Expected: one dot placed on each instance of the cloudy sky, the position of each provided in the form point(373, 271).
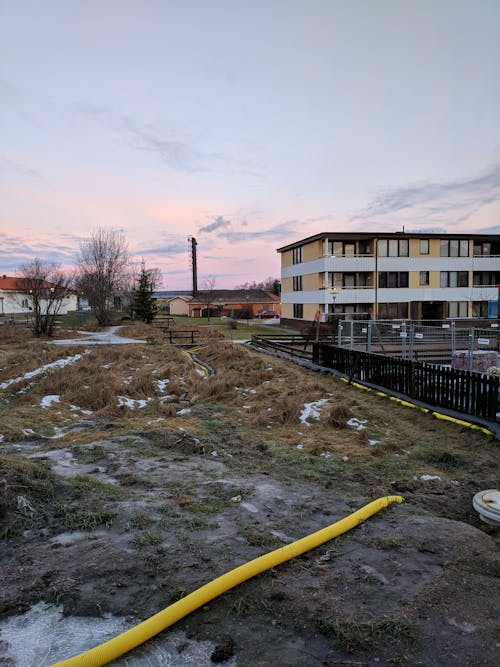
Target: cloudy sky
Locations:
point(248, 124)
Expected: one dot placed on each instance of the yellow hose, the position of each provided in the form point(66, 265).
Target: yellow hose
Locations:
point(114, 648)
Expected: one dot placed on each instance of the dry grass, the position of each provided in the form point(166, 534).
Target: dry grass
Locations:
point(263, 396)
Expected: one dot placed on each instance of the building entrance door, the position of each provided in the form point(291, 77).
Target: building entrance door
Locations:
point(433, 310)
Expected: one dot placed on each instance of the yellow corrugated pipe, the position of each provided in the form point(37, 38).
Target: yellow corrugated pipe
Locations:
point(114, 648)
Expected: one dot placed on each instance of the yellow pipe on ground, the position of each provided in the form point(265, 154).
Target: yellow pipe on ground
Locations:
point(114, 648)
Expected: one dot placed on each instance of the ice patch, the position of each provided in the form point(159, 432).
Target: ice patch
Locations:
point(47, 401)
point(312, 411)
point(43, 636)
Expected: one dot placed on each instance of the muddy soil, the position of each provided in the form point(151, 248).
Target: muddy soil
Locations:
point(127, 525)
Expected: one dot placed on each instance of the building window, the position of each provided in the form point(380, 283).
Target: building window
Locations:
point(393, 247)
point(359, 279)
point(457, 309)
point(486, 278)
point(297, 283)
point(480, 309)
point(393, 279)
point(482, 248)
point(424, 247)
point(454, 248)
point(24, 303)
point(349, 248)
point(454, 279)
point(297, 256)
point(424, 277)
point(298, 310)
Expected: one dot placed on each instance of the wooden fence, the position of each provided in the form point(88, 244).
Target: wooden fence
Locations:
point(467, 392)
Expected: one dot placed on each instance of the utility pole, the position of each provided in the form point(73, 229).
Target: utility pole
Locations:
point(194, 265)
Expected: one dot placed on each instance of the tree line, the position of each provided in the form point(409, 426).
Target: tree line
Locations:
point(104, 268)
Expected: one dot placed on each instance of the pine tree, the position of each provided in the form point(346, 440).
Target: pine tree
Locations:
point(143, 304)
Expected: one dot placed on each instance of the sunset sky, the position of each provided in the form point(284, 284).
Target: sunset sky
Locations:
point(248, 124)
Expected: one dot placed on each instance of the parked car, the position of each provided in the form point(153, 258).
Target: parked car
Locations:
point(266, 314)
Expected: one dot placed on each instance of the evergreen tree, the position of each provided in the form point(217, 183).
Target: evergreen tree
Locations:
point(143, 304)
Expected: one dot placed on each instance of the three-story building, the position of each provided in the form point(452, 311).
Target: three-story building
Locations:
point(390, 275)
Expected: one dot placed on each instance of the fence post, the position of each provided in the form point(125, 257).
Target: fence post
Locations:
point(412, 341)
point(453, 337)
point(403, 340)
point(339, 334)
point(352, 335)
point(369, 337)
point(471, 347)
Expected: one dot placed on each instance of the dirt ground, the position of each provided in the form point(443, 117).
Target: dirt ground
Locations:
point(125, 510)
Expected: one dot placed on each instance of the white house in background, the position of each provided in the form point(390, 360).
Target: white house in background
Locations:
point(14, 300)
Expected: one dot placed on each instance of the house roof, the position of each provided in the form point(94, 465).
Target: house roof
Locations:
point(239, 296)
point(9, 283)
point(16, 284)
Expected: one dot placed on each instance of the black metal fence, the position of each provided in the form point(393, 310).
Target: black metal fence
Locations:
point(467, 392)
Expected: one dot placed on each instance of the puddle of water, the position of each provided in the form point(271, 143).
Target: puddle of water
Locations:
point(43, 636)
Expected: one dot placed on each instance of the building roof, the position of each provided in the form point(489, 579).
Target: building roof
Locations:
point(170, 294)
point(16, 284)
point(341, 236)
point(239, 296)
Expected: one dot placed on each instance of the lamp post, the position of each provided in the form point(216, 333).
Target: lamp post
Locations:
point(334, 292)
point(247, 297)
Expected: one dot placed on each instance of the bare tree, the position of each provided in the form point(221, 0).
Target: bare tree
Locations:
point(102, 267)
point(270, 284)
point(207, 293)
point(45, 287)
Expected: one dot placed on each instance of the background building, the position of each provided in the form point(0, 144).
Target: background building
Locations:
point(391, 275)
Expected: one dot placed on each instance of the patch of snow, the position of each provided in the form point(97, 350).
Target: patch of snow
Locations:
point(47, 401)
point(344, 459)
point(300, 446)
point(246, 407)
point(28, 431)
point(66, 361)
point(214, 453)
point(253, 391)
point(132, 403)
point(184, 411)
point(373, 442)
point(76, 408)
point(326, 455)
point(358, 424)
point(200, 372)
point(269, 368)
point(311, 411)
point(162, 384)
point(2, 437)
point(428, 478)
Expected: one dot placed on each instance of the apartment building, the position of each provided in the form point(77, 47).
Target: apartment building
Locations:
point(390, 275)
